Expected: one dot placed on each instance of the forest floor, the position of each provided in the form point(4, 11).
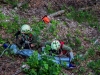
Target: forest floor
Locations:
point(9, 65)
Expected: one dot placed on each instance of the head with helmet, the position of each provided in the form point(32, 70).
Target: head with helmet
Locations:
point(26, 29)
point(55, 45)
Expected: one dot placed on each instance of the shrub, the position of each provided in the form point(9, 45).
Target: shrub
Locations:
point(95, 66)
point(45, 66)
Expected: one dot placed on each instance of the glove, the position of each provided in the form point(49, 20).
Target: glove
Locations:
point(5, 45)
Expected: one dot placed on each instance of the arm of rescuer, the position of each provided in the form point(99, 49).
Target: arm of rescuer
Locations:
point(17, 33)
point(69, 49)
point(35, 40)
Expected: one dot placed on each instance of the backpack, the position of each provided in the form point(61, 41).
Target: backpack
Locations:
point(63, 51)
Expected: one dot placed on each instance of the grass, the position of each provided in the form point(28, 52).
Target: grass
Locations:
point(12, 2)
point(49, 9)
point(83, 16)
point(95, 66)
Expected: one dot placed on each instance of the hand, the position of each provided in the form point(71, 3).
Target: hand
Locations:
point(32, 45)
point(0, 44)
point(61, 54)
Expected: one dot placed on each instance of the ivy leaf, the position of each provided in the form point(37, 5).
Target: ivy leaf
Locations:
point(46, 66)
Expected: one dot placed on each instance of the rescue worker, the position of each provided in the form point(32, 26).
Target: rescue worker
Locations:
point(59, 48)
point(25, 39)
point(25, 42)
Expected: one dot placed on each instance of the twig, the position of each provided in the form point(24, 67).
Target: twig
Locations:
point(86, 8)
point(96, 41)
point(56, 14)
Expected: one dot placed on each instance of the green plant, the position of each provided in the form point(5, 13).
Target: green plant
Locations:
point(80, 16)
point(3, 20)
point(72, 45)
point(55, 33)
point(37, 27)
point(81, 48)
point(95, 66)
point(78, 59)
point(83, 16)
point(91, 52)
point(49, 9)
point(78, 32)
point(70, 14)
point(53, 26)
point(69, 37)
point(45, 66)
point(87, 39)
point(82, 69)
point(1, 42)
point(7, 54)
point(12, 2)
point(46, 49)
point(25, 6)
point(77, 42)
point(95, 25)
point(11, 26)
point(98, 48)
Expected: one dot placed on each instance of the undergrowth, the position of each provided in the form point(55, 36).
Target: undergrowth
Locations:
point(95, 66)
point(83, 16)
point(41, 66)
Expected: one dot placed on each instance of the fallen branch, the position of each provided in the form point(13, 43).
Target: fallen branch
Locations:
point(57, 13)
